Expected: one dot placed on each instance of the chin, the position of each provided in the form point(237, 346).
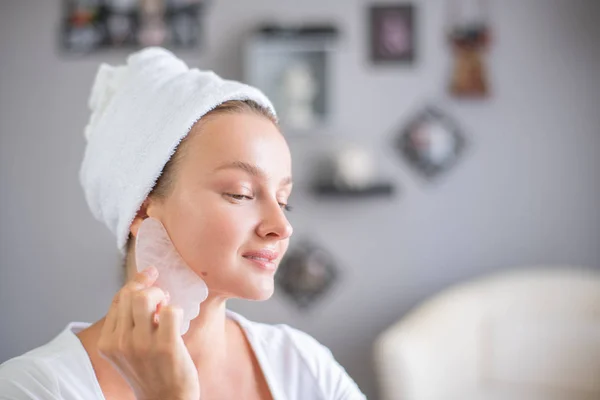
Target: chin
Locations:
point(259, 292)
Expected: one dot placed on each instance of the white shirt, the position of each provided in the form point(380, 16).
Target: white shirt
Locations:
point(295, 365)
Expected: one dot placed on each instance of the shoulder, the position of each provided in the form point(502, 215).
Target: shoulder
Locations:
point(300, 360)
point(284, 339)
point(282, 335)
point(60, 369)
point(28, 377)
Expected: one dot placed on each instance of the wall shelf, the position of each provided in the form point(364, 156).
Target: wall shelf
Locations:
point(382, 189)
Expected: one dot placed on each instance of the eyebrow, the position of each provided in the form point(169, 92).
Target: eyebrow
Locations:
point(252, 170)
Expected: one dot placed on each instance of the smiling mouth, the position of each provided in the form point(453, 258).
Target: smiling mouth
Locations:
point(262, 263)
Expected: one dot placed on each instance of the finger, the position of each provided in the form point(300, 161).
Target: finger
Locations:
point(171, 318)
point(140, 281)
point(163, 303)
point(144, 304)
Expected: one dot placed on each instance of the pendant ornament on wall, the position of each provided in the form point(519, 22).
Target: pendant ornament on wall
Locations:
point(432, 142)
point(306, 274)
point(470, 37)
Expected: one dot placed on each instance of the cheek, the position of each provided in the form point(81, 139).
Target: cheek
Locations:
point(209, 234)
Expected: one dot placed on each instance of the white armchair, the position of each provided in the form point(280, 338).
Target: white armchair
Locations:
point(529, 334)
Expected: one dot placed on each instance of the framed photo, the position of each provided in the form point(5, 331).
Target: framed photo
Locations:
point(392, 29)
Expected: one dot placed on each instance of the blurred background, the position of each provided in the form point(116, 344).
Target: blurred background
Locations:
point(443, 150)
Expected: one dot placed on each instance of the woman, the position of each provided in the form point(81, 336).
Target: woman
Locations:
point(205, 157)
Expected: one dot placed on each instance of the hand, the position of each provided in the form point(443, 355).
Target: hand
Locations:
point(141, 339)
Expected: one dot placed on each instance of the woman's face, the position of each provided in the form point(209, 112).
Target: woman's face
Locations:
point(226, 212)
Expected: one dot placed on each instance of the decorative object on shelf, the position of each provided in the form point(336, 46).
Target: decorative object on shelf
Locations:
point(470, 38)
point(353, 168)
point(91, 25)
point(431, 142)
point(350, 171)
point(392, 30)
point(291, 65)
point(306, 273)
point(299, 89)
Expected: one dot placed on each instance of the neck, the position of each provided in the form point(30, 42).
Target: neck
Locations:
point(206, 339)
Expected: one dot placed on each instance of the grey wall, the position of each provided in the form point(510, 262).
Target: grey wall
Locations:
point(527, 192)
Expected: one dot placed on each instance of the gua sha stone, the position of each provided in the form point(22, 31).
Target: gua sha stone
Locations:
point(153, 247)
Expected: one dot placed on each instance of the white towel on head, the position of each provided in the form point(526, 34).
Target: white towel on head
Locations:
point(140, 113)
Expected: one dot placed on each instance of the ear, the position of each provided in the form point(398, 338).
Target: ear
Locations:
point(147, 209)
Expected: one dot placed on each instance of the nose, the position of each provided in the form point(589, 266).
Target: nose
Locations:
point(274, 224)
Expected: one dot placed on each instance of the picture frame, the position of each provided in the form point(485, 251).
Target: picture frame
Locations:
point(392, 33)
point(292, 65)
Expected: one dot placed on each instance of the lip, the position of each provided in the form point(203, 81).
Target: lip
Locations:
point(264, 259)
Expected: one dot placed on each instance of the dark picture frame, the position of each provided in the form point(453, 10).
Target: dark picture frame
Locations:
point(90, 25)
point(392, 33)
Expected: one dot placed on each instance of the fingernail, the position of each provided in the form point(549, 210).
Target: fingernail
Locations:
point(150, 272)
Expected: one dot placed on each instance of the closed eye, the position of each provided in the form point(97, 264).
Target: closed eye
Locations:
point(239, 196)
